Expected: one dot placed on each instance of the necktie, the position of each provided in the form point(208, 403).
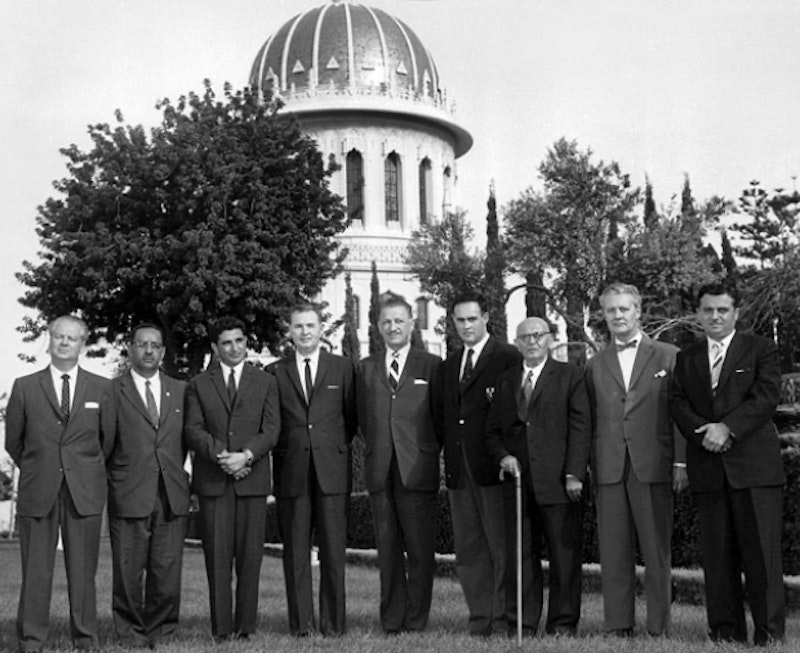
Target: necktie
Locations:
point(716, 363)
point(527, 388)
point(309, 382)
point(65, 402)
point(394, 371)
point(468, 365)
point(231, 388)
point(622, 346)
point(150, 400)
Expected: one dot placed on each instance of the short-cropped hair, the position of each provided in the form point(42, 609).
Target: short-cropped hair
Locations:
point(70, 318)
point(720, 288)
point(145, 325)
point(391, 300)
point(619, 288)
point(305, 307)
point(468, 297)
point(227, 323)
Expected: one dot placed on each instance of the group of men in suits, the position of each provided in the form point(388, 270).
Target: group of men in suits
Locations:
point(640, 417)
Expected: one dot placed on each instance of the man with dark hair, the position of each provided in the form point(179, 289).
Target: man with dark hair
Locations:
point(312, 471)
point(539, 428)
point(466, 391)
point(397, 417)
point(232, 422)
point(637, 462)
point(56, 433)
point(726, 389)
point(148, 493)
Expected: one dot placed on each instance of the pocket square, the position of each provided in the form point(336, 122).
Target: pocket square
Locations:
point(332, 387)
point(420, 382)
point(91, 405)
point(739, 371)
point(660, 374)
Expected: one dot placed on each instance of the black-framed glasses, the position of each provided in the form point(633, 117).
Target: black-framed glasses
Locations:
point(529, 337)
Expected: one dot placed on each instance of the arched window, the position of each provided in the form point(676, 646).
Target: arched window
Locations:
point(392, 187)
point(425, 191)
point(354, 171)
point(447, 194)
point(356, 311)
point(422, 313)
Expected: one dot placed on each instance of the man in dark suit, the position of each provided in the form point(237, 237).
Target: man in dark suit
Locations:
point(539, 427)
point(312, 471)
point(637, 461)
point(232, 422)
point(397, 417)
point(466, 389)
point(726, 389)
point(55, 434)
point(148, 494)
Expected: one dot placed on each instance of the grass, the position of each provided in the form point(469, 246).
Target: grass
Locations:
point(446, 631)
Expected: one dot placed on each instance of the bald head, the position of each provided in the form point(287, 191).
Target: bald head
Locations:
point(533, 340)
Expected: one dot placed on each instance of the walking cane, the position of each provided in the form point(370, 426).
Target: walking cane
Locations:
point(518, 494)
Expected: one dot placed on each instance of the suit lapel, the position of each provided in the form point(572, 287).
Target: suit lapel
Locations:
point(547, 370)
point(128, 389)
point(219, 383)
point(729, 364)
point(49, 390)
point(80, 393)
point(409, 369)
point(701, 366)
point(323, 365)
point(644, 353)
point(294, 377)
point(167, 399)
point(610, 360)
point(478, 366)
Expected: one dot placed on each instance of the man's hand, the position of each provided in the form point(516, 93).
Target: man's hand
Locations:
point(574, 488)
point(716, 437)
point(680, 479)
point(243, 473)
point(232, 463)
point(509, 466)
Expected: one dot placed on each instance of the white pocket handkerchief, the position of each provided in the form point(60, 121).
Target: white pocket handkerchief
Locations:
point(420, 382)
point(91, 405)
point(660, 374)
point(332, 387)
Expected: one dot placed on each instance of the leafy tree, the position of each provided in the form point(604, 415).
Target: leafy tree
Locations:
point(376, 344)
point(650, 211)
point(351, 347)
point(570, 228)
point(224, 208)
point(438, 257)
point(494, 272)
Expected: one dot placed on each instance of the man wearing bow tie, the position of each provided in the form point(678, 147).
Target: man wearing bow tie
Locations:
point(56, 423)
point(637, 461)
point(726, 389)
point(466, 390)
point(539, 428)
point(232, 423)
point(312, 468)
point(148, 494)
point(399, 420)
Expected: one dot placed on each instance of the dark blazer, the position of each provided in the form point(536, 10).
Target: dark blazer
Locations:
point(555, 436)
point(404, 421)
point(212, 425)
point(322, 431)
point(747, 395)
point(465, 407)
point(143, 455)
point(46, 450)
point(637, 419)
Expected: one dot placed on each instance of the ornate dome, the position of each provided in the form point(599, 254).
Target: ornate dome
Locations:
point(344, 55)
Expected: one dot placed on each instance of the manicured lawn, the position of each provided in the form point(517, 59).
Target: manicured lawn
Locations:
point(446, 631)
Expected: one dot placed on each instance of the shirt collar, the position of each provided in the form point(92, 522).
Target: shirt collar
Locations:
point(537, 370)
point(139, 379)
point(57, 373)
point(477, 348)
point(402, 354)
point(313, 358)
point(226, 370)
point(637, 338)
point(725, 342)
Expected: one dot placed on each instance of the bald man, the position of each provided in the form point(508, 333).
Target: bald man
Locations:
point(539, 427)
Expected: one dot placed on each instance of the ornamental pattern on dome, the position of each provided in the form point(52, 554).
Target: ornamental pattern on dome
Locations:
point(347, 48)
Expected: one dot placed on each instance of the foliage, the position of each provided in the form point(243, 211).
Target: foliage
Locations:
point(570, 228)
point(224, 208)
point(376, 344)
point(351, 347)
point(438, 257)
point(494, 272)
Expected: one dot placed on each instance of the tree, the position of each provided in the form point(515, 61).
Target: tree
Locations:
point(570, 228)
point(351, 347)
point(494, 272)
point(224, 208)
point(650, 211)
point(438, 257)
point(376, 344)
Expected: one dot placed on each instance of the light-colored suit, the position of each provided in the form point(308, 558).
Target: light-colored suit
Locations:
point(62, 484)
point(634, 446)
point(147, 506)
point(401, 465)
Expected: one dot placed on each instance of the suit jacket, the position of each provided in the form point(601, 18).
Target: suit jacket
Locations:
point(747, 395)
point(48, 451)
point(145, 454)
point(212, 425)
point(465, 407)
point(637, 419)
point(554, 437)
point(404, 421)
point(321, 431)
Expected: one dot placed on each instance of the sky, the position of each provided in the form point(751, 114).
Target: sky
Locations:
point(707, 89)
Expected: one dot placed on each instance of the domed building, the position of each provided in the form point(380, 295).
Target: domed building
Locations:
point(364, 86)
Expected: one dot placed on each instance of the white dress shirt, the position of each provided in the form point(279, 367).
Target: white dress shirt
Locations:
point(141, 387)
point(477, 348)
point(58, 381)
point(237, 373)
point(627, 357)
point(402, 355)
point(313, 363)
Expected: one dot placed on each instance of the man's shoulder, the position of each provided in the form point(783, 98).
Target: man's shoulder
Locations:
point(33, 377)
point(94, 379)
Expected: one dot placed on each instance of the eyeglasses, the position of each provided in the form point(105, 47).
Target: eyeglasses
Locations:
point(144, 344)
point(528, 337)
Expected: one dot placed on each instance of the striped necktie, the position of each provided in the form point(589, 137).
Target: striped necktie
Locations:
point(394, 371)
point(152, 408)
point(717, 358)
point(65, 400)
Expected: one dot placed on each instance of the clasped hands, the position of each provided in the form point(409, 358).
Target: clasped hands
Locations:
point(716, 437)
point(234, 463)
point(509, 465)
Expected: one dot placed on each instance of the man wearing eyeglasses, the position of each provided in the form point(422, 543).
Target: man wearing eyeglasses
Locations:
point(638, 459)
point(148, 494)
point(539, 427)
